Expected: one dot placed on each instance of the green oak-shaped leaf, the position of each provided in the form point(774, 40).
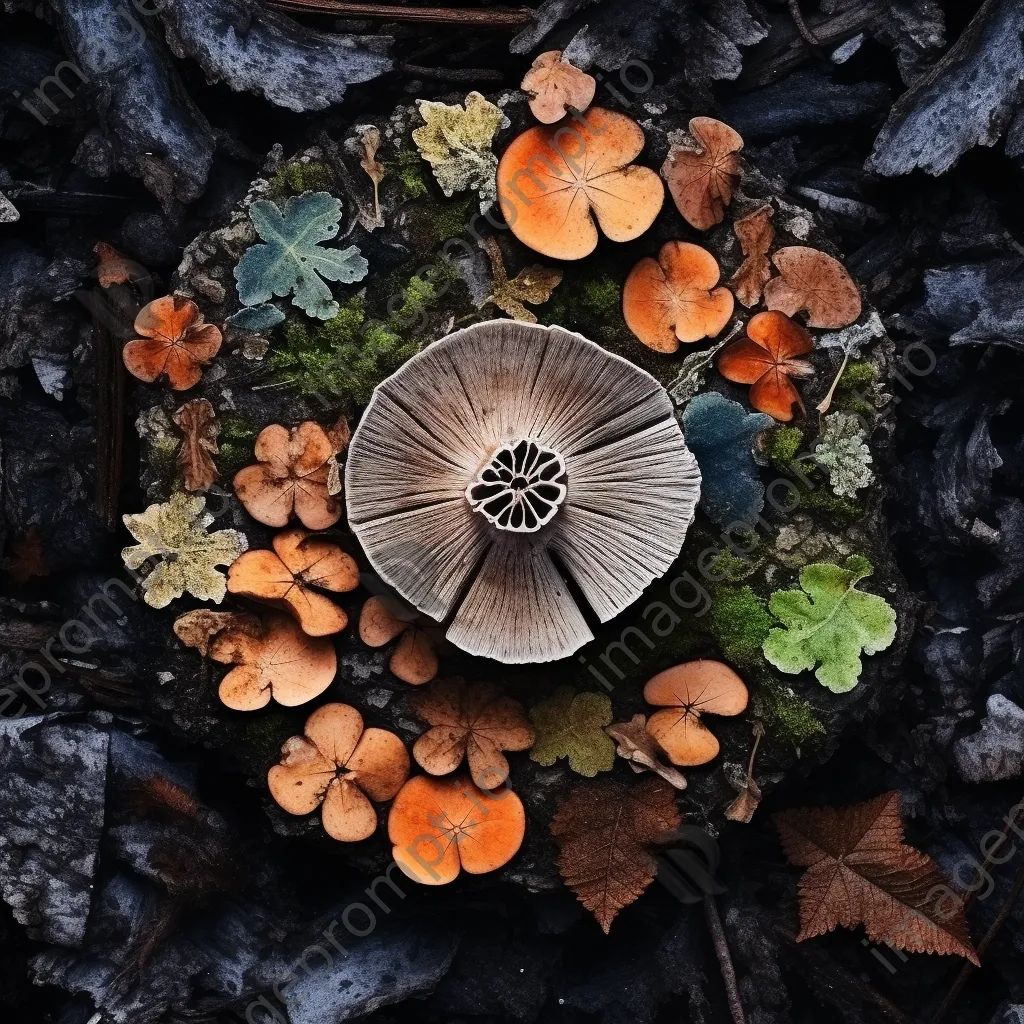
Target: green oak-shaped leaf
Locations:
point(293, 260)
point(572, 725)
point(174, 535)
point(829, 623)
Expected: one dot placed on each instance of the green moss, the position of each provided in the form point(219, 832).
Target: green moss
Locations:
point(786, 715)
point(785, 445)
point(858, 374)
point(410, 173)
point(295, 178)
point(727, 567)
point(436, 222)
point(842, 511)
point(163, 454)
point(236, 442)
point(739, 623)
point(591, 305)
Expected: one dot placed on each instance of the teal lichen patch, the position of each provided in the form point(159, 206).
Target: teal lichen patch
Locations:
point(828, 623)
point(739, 622)
point(297, 177)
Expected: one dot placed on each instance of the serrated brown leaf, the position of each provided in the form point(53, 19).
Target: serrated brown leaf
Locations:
point(703, 172)
point(198, 422)
point(860, 871)
point(475, 723)
point(533, 284)
point(755, 234)
point(636, 745)
point(813, 281)
point(604, 831)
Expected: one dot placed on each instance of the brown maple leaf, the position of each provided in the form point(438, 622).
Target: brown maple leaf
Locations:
point(755, 234)
point(860, 871)
point(111, 267)
point(605, 830)
point(533, 284)
point(198, 422)
point(475, 723)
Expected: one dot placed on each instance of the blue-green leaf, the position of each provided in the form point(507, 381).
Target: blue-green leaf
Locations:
point(256, 318)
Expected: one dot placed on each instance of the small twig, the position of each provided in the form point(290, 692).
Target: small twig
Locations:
point(725, 964)
point(491, 17)
point(801, 26)
point(454, 74)
point(965, 971)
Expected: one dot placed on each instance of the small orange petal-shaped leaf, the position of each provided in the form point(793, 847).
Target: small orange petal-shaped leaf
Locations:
point(174, 341)
point(675, 299)
point(298, 783)
point(554, 86)
point(348, 815)
point(379, 764)
point(703, 173)
point(414, 660)
point(377, 625)
point(813, 281)
point(335, 729)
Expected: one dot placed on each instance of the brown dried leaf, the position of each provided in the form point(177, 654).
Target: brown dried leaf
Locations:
point(554, 85)
point(860, 871)
point(198, 422)
point(604, 830)
point(198, 628)
point(111, 266)
point(475, 723)
point(369, 139)
point(743, 807)
point(533, 284)
point(755, 234)
point(814, 281)
point(637, 746)
point(702, 174)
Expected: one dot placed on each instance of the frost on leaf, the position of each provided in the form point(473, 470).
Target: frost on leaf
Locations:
point(860, 871)
point(720, 432)
point(572, 726)
point(604, 831)
point(291, 259)
point(456, 142)
point(533, 284)
point(844, 453)
point(829, 623)
point(174, 534)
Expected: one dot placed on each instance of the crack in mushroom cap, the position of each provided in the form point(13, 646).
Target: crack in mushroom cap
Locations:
point(631, 486)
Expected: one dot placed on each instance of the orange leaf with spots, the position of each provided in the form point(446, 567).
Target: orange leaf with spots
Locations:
point(555, 181)
point(703, 173)
point(766, 359)
point(675, 299)
point(604, 831)
point(813, 281)
point(175, 342)
point(860, 871)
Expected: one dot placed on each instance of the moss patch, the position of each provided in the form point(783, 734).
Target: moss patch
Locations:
point(729, 568)
point(295, 178)
point(236, 441)
point(410, 174)
point(785, 445)
point(786, 715)
point(839, 511)
point(739, 623)
point(858, 374)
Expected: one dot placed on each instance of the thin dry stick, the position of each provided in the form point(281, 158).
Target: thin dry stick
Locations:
point(492, 17)
point(732, 991)
point(801, 26)
point(453, 74)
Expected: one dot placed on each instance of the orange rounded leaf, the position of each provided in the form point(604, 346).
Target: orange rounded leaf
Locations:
point(174, 341)
point(813, 281)
point(702, 175)
point(554, 85)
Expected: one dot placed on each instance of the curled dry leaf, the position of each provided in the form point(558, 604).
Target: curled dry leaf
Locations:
point(198, 422)
point(749, 799)
point(414, 660)
point(572, 725)
point(174, 535)
point(441, 826)
point(636, 745)
point(688, 691)
point(675, 299)
point(286, 575)
point(111, 267)
point(533, 284)
point(551, 191)
point(815, 282)
point(766, 359)
point(703, 172)
point(290, 476)
point(472, 723)
point(605, 831)
point(280, 662)
point(175, 341)
point(755, 234)
point(340, 766)
point(554, 86)
point(198, 628)
point(860, 871)
point(369, 141)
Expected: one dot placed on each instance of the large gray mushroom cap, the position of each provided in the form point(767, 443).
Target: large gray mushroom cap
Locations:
point(501, 448)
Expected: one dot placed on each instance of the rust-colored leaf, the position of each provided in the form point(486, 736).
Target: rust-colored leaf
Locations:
point(637, 746)
point(755, 234)
point(766, 359)
point(475, 723)
point(676, 298)
point(198, 628)
point(604, 831)
point(554, 86)
point(533, 284)
point(198, 422)
point(111, 266)
point(860, 871)
point(813, 281)
point(703, 172)
point(175, 341)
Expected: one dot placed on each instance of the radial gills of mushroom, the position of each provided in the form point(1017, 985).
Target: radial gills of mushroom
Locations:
point(500, 454)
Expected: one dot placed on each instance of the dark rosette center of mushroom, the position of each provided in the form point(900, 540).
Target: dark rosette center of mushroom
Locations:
point(520, 487)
